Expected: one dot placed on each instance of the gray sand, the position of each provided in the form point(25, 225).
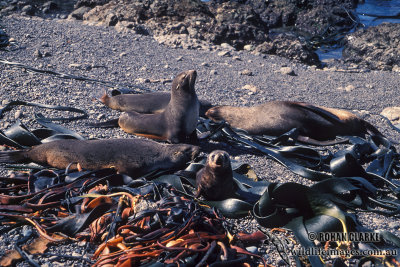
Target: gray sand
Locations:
point(102, 53)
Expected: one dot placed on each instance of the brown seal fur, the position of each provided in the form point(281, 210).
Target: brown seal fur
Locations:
point(147, 103)
point(277, 117)
point(177, 123)
point(134, 157)
point(215, 180)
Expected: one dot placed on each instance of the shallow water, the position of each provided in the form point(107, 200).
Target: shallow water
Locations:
point(378, 8)
point(368, 12)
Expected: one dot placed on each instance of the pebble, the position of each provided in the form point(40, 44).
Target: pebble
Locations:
point(142, 80)
point(47, 54)
point(101, 116)
point(224, 54)
point(213, 72)
point(38, 54)
point(248, 47)
point(179, 58)
point(122, 54)
point(246, 72)
point(395, 68)
point(237, 58)
point(11, 40)
point(392, 113)
point(205, 64)
point(287, 71)
point(18, 114)
point(250, 87)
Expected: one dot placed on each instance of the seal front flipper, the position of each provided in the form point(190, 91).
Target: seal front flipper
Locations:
point(107, 124)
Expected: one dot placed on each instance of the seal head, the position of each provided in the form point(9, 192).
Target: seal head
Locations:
point(177, 123)
point(215, 180)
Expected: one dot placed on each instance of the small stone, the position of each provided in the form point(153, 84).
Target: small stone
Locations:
point(213, 72)
point(396, 68)
point(392, 113)
point(224, 54)
point(11, 40)
point(250, 87)
point(47, 54)
point(38, 54)
point(75, 65)
point(142, 80)
point(28, 10)
point(18, 114)
point(179, 58)
point(246, 72)
point(166, 66)
point(101, 116)
point(82, 243)
point(287, 71)
point(205, 64)
point(122, 54)
point(237, 58)
point(248, 47)
point(349, 88)
point(227, 46)
point(74, 254)
point(5, 102)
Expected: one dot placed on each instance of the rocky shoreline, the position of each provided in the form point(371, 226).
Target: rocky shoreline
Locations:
point(225, 76)
point(291, 29)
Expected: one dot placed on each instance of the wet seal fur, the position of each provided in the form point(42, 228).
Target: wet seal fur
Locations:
point(215, 180)
point(315, 123)
point(147, 103)
point(134, 157)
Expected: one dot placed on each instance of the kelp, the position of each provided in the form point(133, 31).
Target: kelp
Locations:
point(156, 220)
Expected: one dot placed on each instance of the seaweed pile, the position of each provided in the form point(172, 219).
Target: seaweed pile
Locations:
point(157, 220)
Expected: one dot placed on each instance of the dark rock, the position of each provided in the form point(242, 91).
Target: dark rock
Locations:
point(375, 47)
point(78, 13)
point(4, 39)
point(90, 3)
point(289, 46)
point(306, 16)
point(50, 5)
point(28, 10)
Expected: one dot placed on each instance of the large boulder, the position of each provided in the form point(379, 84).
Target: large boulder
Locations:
point(376, 47)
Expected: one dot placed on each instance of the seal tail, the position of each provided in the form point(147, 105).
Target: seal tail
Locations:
point(18, 156)
point(107, 124)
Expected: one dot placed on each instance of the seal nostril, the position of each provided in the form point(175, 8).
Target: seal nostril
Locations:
point(219, 161)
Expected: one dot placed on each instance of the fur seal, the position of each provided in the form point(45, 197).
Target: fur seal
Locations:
point(147, 103)
point(134, 157)
point(215, 180)
point(277, 117)
point(177, 123)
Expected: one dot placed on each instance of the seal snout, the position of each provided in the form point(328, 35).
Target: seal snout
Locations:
point(218, 159)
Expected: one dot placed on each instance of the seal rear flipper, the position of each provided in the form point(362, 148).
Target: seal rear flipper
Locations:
point(107, 124)
point(371, 129)
point(152, 136)
point(18, 156)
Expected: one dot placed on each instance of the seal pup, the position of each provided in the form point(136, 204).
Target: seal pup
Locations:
point(215, 180)
point(177, 123)
point(134, 157)
point(147, 103)
point(315, 123)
